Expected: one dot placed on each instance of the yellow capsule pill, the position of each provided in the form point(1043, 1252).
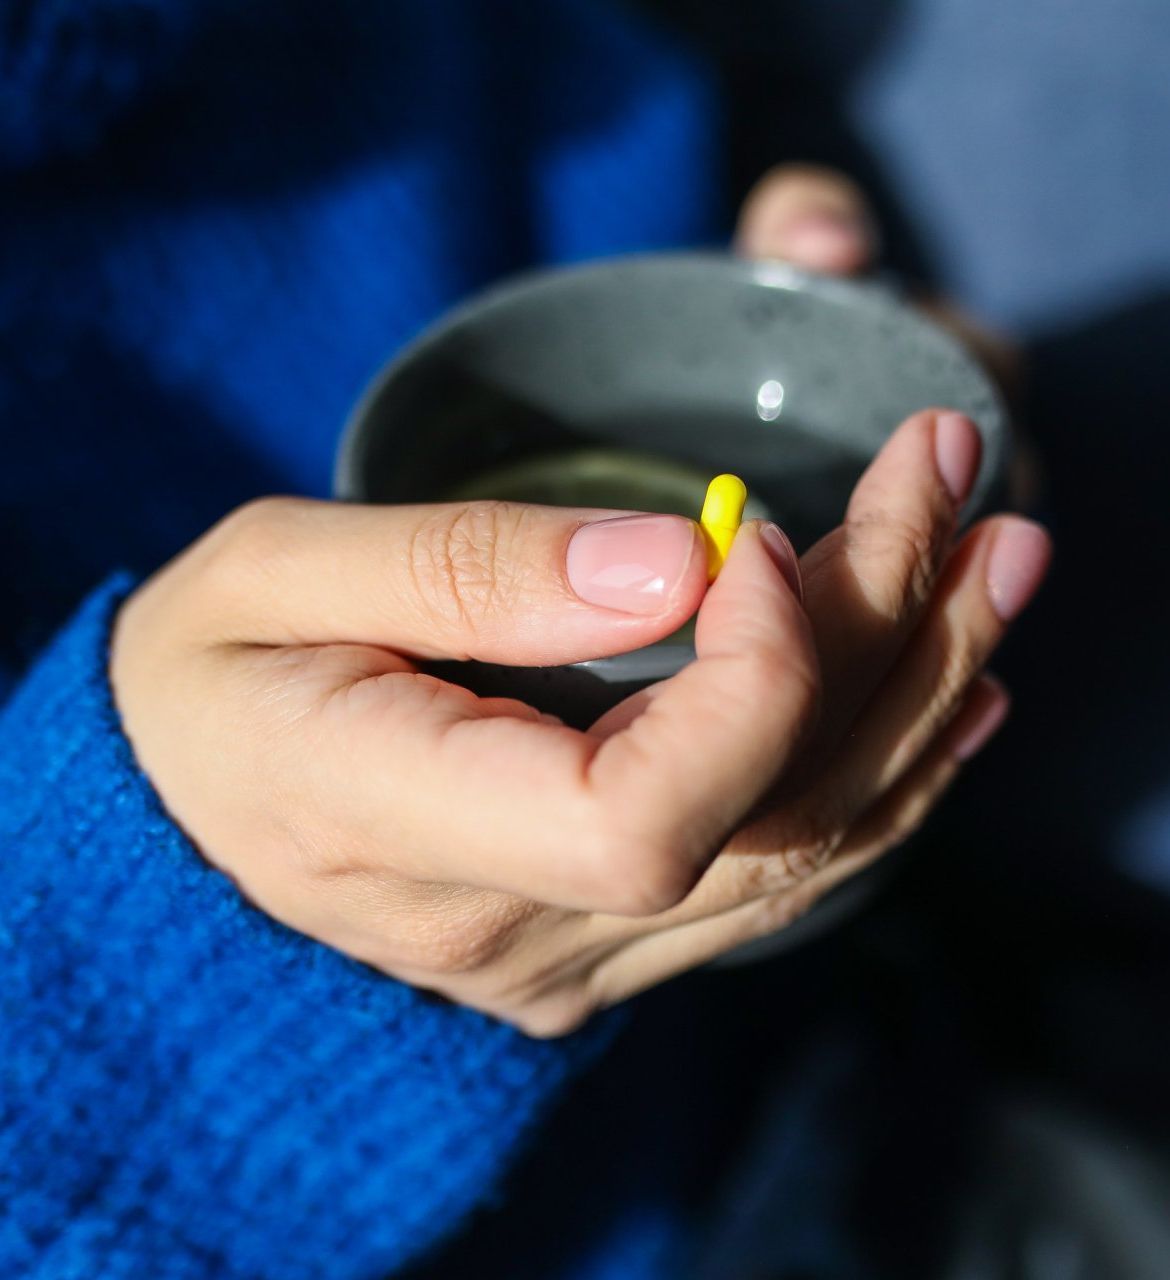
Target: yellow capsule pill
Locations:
point(721, 518)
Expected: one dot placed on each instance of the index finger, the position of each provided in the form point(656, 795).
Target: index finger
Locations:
point(627, 824)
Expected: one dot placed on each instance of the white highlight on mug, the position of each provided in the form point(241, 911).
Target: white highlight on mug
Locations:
point(770, 400)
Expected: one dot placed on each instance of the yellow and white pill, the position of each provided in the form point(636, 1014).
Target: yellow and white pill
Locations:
point(720, 520)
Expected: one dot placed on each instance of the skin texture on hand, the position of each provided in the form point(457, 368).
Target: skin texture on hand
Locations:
point(268, 681)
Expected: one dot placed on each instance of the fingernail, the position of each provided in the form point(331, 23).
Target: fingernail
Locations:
point(632, 563)
point(957, 446)
point(983, 715)
point(783, 556)
point(1016, 566)
point(825, 240)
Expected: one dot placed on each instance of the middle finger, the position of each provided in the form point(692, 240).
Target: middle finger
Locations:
point(868, 582)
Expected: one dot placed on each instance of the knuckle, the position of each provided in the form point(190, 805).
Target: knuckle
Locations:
point(756, 875)
point(804, 860)
point(787, 848)
point(952, 661)
point(639, 877)
point(452, 952)
point(248, 542)
point(809, 844)
point(465, 942)
point(554, 1016)
point(460, 563)
point(259, 524)
point(955, 675)
point(896, 562)
point(778, 912)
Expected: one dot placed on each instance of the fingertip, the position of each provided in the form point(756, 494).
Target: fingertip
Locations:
point(1017, 564)
point(824, 241)
point(958, 450)
point(759, 591)
point(762, 547)
point(783, 554)
point(987, 706)
point(813, 217)
point(937, 442)
point(992, 686)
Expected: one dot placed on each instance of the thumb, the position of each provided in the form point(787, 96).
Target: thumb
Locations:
point(495, 581)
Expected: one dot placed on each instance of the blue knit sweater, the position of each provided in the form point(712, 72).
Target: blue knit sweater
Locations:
point(217, 221)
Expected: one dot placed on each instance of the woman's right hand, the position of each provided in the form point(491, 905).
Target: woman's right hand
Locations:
point(268, 682)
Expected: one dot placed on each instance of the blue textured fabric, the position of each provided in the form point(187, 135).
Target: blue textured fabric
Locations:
point(191, 1089)
point(218, 220)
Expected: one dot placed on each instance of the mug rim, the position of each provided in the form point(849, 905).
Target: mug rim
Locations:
point(877, 294)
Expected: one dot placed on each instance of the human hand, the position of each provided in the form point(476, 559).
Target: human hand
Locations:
point(268, 682)
point(819, 219)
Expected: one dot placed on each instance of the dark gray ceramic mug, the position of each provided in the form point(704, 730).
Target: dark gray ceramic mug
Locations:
point(628, 384)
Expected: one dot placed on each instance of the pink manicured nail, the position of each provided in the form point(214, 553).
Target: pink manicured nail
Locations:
point(957, 447)
point(983, 715)
point(783, 556)
point(1016, 566)
point(824, 241)
point(633, 563)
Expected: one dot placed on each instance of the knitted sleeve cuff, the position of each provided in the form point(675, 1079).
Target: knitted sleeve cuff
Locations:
point(189, 1088)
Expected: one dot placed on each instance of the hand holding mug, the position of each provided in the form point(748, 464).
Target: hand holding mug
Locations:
point(268, 681)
